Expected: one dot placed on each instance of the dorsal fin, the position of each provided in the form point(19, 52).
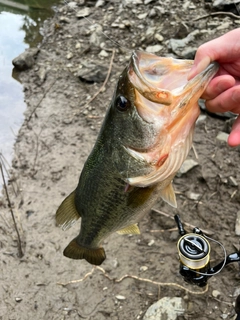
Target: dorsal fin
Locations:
point(67, 213)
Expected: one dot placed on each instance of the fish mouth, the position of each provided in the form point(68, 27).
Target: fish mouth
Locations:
point(165, 98)
point(163, 81)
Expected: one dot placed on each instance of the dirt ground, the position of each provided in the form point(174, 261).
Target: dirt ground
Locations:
point(58, 133)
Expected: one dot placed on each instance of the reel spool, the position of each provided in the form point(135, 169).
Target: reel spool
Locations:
point(194, 251)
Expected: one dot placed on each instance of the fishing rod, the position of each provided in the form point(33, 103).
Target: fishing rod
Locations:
point(194, 256)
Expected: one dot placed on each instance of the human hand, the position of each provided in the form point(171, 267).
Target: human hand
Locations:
point(223, 91)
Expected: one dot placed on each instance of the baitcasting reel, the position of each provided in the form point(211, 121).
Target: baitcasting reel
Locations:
point(194, 255)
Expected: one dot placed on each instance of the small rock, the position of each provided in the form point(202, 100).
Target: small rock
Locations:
point(93, 73)
point(165, 308)
point(143, 268)
point(151, 242)
point(142, 15)
point(97, 36)
point(224, 26)
point(64, 19)
point(72, 5)
point(216, 293)
point(83, 13)
point(158, 37)
point(103, 54)
point(222, 136)
point(187, 165)
point(18, 299)
point(100, 3)
point(193, 196)
point(236, 292)
point(69, 55)
point(202, 118)
point(237, 224)
point(188, 53)
point(78, 45)
point(154, 49)
point(176, 44)
point(150, 32)
point(119, 297)
point(148, 1)
point(232, 182)
point(221, 3)
point(26, 59)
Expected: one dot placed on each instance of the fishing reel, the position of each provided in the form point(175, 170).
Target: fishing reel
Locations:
point(194, 256)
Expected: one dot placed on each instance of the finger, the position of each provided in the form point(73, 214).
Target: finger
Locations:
point(217, 86)
point(234, 137)
point(228, 100)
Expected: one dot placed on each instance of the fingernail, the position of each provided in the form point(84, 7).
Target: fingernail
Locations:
point(236, 96)
point(202, 65)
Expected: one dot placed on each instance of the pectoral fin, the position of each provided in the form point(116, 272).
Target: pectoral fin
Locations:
point(133, 229)
point(168, 195)
point(67, 214)
point(94, 256)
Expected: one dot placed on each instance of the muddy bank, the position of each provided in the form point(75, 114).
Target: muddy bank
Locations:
point(58, 133)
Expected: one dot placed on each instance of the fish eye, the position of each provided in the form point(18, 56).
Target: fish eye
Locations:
point(122, 103)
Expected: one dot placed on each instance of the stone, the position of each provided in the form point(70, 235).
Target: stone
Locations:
point(165, 308)
point(187, 165)
point(64, 19)
point(154, 49)
point(83, 13)
point(237, 224)
point(143, 268)
point(158, 37)
point(193, 196)
point(232, 181)
point(103, 54)
point(216, 293)
point(151, 242)
point(120, 297)
point(142, 16)
point(177, 44)
point(26, 59)
point(92, 73)
point(221, 3)
point(100, 3)
point(222, 136)
point(69, 55)
point(201, 119)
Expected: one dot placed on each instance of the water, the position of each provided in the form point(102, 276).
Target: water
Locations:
point(20, 24)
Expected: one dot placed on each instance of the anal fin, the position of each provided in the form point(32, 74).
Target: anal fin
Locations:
point(168, 195)
point(95, 256)
point(67, 213)
point(133, 229)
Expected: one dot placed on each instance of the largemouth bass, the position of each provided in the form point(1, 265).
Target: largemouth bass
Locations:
point(145, 137)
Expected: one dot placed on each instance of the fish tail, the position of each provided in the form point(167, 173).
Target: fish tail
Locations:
point(76, 251)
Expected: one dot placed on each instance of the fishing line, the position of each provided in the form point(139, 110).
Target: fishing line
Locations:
point(224, 261)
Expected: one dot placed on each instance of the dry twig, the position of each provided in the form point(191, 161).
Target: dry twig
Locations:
point(44, 95)
point(207, 232)
point(166, 284)
point(106, 80)
point(20, 252)
point(230, 14)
